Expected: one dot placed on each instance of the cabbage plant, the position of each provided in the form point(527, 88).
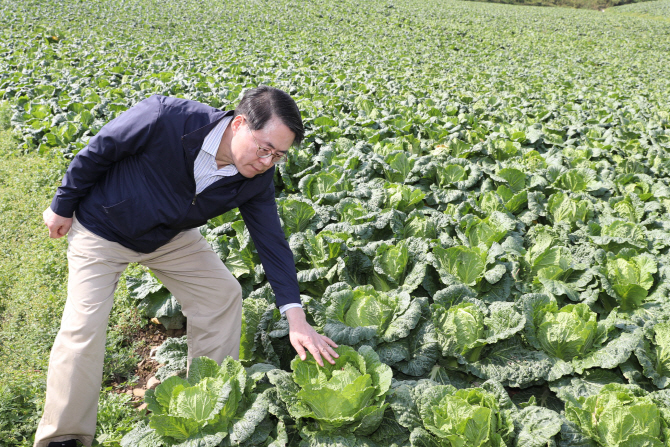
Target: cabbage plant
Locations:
point(347, 396)
point(215, 403)
point(328, 186)
point(365, 315)
point(567, 333)
point(550, 268)
point(322, 260)
point(463, 329)
point(620, 416)
point(466, 264)
point(403, 198)
point(484, 232)
point(563, 208)
point(444, 416)
point(630, 276)
point(400, 266)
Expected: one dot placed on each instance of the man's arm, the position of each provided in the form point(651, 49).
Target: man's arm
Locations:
point(122, 137)
point(261, 218)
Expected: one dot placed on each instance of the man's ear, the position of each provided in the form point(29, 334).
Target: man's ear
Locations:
point(237, 122)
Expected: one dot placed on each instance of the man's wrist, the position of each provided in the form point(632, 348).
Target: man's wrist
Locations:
point(295, 315)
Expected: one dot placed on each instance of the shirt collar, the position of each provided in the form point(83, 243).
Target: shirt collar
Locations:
point(213, 138)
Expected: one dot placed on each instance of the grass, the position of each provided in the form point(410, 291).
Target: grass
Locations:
point(33, 289)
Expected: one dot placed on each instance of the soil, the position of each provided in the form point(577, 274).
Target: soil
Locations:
point(146, 339)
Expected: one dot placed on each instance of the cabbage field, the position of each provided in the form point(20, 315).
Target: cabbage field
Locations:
point(479, 213)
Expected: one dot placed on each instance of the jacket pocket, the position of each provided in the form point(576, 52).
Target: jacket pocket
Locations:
point(128, 219)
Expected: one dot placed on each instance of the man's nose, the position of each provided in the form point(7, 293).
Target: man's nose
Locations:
point(267, 161)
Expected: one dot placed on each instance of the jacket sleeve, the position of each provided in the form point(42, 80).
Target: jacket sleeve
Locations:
point(124, 136)
point(261, 218)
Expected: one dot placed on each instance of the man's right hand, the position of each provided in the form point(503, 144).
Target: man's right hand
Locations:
point(58, 225)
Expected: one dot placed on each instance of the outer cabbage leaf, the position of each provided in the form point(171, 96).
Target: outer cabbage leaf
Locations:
point(415, 355)
point(155, 300)
point(513, 364)
point(296, 215)
point(537, 427)
point(173, 357)
point(654, 354)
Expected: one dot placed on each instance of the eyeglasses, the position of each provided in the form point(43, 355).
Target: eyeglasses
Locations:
point(263, 152)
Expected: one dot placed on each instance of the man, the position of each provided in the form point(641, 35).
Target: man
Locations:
point(137, 193)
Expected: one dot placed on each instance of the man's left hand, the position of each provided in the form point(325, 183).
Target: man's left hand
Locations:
point(302, 336)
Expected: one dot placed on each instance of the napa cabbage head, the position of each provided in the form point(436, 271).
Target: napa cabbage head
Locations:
point(458, 329)
point(631, 277)
point(567, 333)
point(468, 417)
point(347, 395)
point(619, 416)
point(485, 232)
point(399, 266)
point(462, 330)
point(467, 264)
point(563, 208)
point(204, 404)
point(365, 315)
point(403, 198)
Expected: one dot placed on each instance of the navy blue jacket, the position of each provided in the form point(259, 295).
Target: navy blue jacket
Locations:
point(133, 184)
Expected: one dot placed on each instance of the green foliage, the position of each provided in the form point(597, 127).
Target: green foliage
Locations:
point(155, 300)
point(116, 417)
point(566, 209)
point(120, 358)
point(442, 415)
point(21, 404)
point(568, 333)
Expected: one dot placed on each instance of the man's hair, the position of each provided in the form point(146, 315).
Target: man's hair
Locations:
point(260, 104)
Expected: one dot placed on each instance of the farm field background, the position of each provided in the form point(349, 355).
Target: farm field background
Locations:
point(482, 196)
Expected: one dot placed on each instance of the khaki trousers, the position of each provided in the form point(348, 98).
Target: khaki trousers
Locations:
point(211, 299)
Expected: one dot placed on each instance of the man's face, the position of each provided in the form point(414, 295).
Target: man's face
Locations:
point(274, 136)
